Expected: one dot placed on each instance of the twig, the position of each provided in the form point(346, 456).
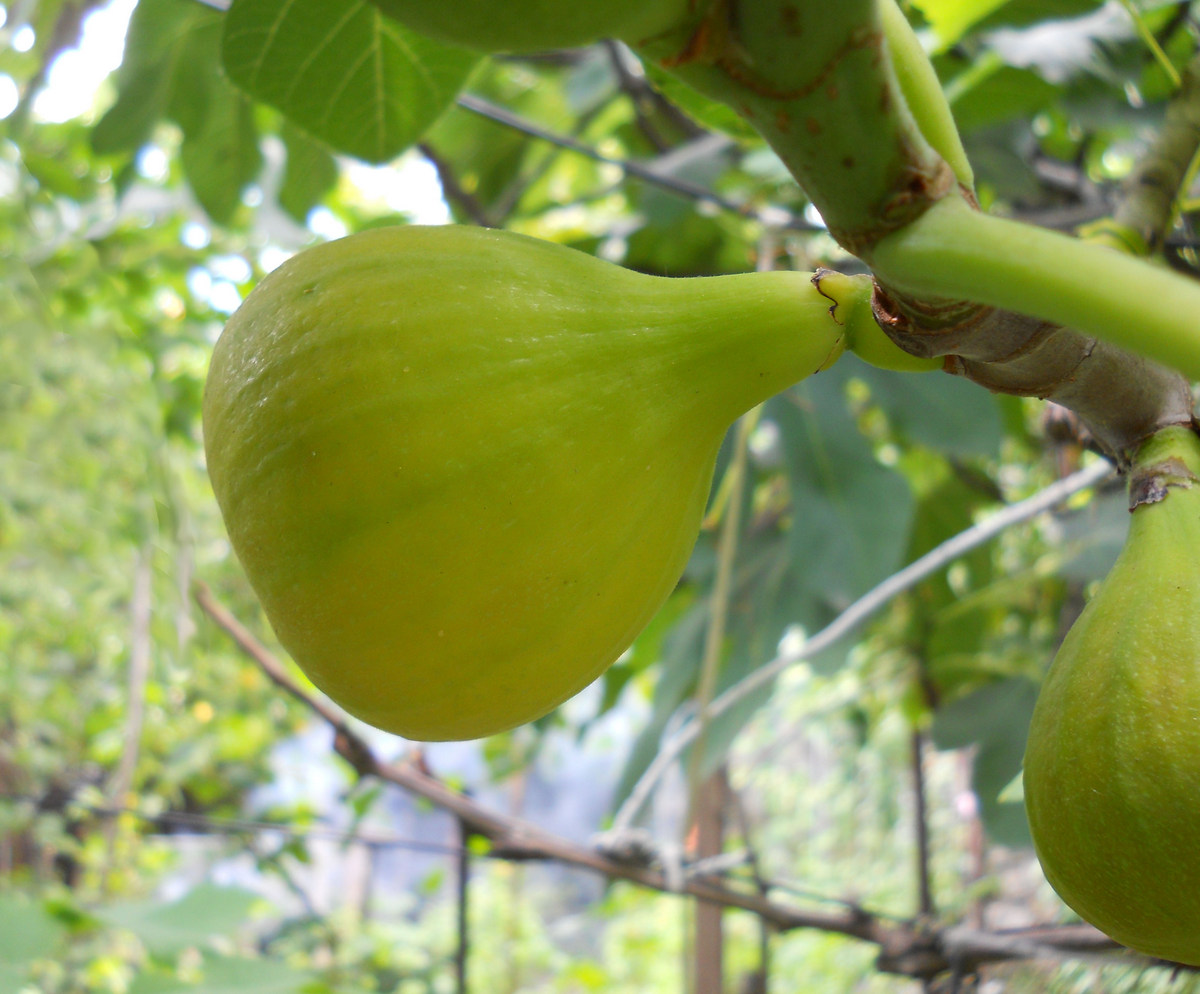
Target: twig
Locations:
point(454, 190)
point(531, 172)
point(513, 838)
point(718, 610)
point(633, 85)
point(924, 885)
point(646, 97)
point(775, 216)
point(273, 860)
point(858, 612)
point(464, 893)
point(140, 656)
point(212, 825)
point(1152, 189)
point(1151, 42)
point(760, 882)
point(906, 949)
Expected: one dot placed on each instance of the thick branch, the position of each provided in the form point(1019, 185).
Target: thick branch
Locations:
point(816, 81)
point(1122, 397)
point(1036, 288)
point(848, 100)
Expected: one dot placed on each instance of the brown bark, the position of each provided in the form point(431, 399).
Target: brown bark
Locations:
point(1121, 397)
point(709, 960)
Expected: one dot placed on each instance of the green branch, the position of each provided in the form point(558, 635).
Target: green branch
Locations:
point(1153, 188)
point(816, 80)
point(923, 91)
point(953, 252)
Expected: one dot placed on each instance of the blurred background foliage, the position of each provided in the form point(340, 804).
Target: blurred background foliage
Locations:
point(170, 821)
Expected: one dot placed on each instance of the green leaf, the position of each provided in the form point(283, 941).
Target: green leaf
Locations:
point(165, 57)
point(851, 518)
point(13, 977)
point(994, 718)
point(172, 70)
point(167, 929)
point(1002, 95)
point(851, 515)
point(946, 413)
point(158, 982)
point(947, 635)
point(309, 174)
point(230, 975)
point(951, 19)
point(1020, 13)
point(29, 932)
point(711, 114)
point(343, 72)
point(1096, 534)
point(222, 155)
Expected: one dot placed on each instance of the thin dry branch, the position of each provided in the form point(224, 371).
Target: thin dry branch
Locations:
point(912, 949)
point(511, 837)
point(857, 613)
point(652, 172)
point(454, 191)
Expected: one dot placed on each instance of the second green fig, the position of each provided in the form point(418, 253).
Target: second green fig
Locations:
point(1112, 767)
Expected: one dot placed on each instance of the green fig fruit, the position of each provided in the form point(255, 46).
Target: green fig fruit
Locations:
point(1112, 765)
point(532, 25)
point(463, 468)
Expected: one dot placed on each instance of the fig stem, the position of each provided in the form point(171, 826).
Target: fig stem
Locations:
point(923, 91)
point(955, 252)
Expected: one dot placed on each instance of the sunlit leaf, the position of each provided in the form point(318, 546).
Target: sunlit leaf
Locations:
point(343, 72)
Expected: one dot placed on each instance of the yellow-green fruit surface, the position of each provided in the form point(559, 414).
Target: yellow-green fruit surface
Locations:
point(532, 25)
point(463, 468)
point(1112, 766)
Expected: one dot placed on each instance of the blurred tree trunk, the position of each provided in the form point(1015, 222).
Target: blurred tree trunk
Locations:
point(708, 954)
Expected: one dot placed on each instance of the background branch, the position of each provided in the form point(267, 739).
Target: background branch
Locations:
point(648, 173)
point(1147, 205)
point(858, 612)
point(907, 948)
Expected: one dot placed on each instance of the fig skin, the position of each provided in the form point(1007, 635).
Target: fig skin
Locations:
point(463, 468)
point(1112, 765)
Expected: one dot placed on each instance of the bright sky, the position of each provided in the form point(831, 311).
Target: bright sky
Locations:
point(77, 76)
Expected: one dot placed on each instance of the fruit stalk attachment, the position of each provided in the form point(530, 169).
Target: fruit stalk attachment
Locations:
point(1112, 766)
